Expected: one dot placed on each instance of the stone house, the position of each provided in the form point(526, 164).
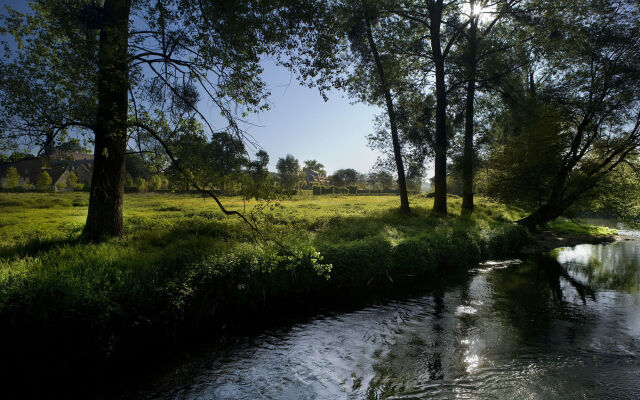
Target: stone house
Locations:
point(58, 165)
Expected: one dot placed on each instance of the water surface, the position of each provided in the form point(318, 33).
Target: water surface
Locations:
point(540, 329)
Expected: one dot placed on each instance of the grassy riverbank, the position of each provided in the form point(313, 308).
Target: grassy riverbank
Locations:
point(184, 267)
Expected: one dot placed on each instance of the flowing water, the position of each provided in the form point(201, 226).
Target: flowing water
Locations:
point(563, 327)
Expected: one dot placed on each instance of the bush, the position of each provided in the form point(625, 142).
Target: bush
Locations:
point(72, 180)
point(12, 178)
point(128, 181)
point(141, 185)
point(44, 181)
point(155, 183)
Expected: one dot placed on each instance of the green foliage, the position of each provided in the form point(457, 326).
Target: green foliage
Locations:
point(155, 183)
point(141, 185)
point(43, 181)
point(72, 180)
point(617, 196)
point(517, 173)
point(12, 178)
point(381, 180)
point(344, 177)
point(288, 172)
point(313, 165)
point(128, 181)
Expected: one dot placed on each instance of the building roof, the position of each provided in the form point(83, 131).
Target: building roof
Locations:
point(55, 165)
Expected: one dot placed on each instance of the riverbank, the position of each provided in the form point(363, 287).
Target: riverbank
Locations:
point(72, 310)
point(569, 234)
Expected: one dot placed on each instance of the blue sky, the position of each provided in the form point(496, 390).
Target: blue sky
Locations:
point(301, 123)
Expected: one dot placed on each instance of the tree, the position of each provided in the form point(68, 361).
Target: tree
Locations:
point(142, 185)
point(480, 68)
point(597, 97)
point(43, 182)
point(12, 178)
point(381, 179)
point(155, 183)
point(116, 70)
point(288, 172)
point(365, 67)
point(582, 116)
point(345, 177)
point(128, 181)
point(606, 199)
point(72, 180)
point(207, 163)
point(258, 183)
point(313, 165)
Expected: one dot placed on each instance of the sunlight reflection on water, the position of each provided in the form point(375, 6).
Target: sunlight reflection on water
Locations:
point(510, 330)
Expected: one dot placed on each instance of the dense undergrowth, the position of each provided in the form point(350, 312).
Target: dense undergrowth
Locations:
point(184, 267)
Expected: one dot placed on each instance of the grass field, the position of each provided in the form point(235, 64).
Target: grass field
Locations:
point(184, 265)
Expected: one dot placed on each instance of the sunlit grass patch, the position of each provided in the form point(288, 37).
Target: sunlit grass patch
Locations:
point(563, 225)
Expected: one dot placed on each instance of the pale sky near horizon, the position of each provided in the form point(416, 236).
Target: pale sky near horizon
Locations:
point(301, 123)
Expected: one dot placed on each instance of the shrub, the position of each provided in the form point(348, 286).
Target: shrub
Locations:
point(12, 178)
point(72, 180)
point(155, 183)
point(142, 185)
point(44, 181)
point(128, 181)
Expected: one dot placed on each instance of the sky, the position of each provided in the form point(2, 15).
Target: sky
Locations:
point(301, 123)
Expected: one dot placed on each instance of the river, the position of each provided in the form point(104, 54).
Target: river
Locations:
point(561, 327)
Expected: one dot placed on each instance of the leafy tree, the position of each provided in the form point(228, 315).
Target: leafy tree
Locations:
point(257, 181)
point(431, 30)
point(72, 180)
point(135, 165)
point(344, 177)
point(128, 181)
point(114, 70)
point(365, 67)
point(487, 33)
point(207, 163)
point(606, 199)
point(595, 95)
point(142, 185)
point(382, 179)
point(288, 172)
point(155, 183)
point(71, 146)
point(313, 165)
point(43, 182)
point(12, 178)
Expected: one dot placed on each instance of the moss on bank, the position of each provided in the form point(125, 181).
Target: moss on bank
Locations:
point(184, 268)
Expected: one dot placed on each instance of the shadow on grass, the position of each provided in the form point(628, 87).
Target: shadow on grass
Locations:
point(34, 247)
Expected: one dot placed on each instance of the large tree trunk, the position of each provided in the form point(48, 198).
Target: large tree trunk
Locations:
point(542, 215)
point(397, 151)
point(468, 152)
point(440, 201)
point(107, 183)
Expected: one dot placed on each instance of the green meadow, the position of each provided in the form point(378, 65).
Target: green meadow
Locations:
point(184, 267)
